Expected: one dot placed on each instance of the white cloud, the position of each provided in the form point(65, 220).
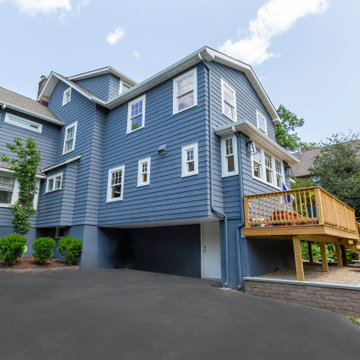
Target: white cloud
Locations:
point(137, 54)
point(115, 36)
point(273, 18)
point(49, 7)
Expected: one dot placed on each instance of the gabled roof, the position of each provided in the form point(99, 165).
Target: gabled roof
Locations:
point(205, 53)
point(103, 71)
point(306, 160)
point(27, 106)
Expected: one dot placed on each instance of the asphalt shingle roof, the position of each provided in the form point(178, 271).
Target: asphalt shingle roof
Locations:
point(306, 159)
point(23, 102)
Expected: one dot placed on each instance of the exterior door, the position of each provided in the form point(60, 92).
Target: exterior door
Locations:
point(210, 251)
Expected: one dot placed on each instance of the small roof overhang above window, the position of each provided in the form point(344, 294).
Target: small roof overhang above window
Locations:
point(261, 139)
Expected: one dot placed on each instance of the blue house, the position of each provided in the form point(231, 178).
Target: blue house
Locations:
point(152, 176)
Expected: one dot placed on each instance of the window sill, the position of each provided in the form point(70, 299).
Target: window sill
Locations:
point(139, 128)
point(51, 191)
point(5, 205)
point(142, 185)
point(228, 117)
point(65, 153)
point(229, 175)
point(266, 183)
point(187, 175)
point(113, 200)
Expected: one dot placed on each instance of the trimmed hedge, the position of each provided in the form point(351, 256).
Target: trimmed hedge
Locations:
point(44, 249)
point(70, 248)
point(11, 248)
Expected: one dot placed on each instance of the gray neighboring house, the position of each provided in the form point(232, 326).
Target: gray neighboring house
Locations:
point(306, 160)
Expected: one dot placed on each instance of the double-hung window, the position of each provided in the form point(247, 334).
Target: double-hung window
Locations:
point(7, 185)
point(266, 168)
point(66, 96)
point(54, 182)
point(115, 184)
point(189, 156)
point(144, 172)
point(24, 123)
point(261, 122)
point(136, 114)
point(228, 97)
point(279, 173)
point(257, 163)
point(229, 156)
point(70, 138)
point(185, 91)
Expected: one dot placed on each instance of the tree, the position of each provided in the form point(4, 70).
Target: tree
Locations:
point(337, 169)
point(24, 164)
point(285, 132)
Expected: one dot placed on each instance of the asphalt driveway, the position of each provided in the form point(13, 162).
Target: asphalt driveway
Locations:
point(125, 314)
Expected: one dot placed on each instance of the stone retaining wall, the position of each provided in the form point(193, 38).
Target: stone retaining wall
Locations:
point(338, 298)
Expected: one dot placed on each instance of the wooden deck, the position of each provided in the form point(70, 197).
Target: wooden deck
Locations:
point(308, 214)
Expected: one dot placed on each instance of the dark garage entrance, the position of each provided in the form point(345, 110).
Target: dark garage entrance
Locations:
point(170, 250)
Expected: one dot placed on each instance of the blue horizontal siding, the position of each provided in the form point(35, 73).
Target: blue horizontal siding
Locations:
point(169, 196)
point(105, 86)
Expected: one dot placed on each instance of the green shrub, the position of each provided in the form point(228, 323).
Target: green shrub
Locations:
point(11, 248)
point(70, 248)
point(44, 249)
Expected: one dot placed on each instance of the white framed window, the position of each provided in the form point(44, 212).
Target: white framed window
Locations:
point(228, 100)
point(24, 123)
point(185, 91)
point(54, 182)
point(261, 122)
point(66, 96)
point(136, 114)
point(115, 188)
point(257, 163)
point(144, 172)
point(279, 173)
point(70, 138)
point(7, 190)
point(229, 156)
point(189, 160)
point(123, 87)
point(266, 168)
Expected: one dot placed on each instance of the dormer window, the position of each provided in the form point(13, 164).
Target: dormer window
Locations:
point(123, 87)
point(261, 122)
point(66, 96)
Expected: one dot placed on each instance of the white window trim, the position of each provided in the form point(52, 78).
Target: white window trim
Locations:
point(108, 193)
point(175, 103)
point(258, 113)
point(263, 169)
point(184, 149)
point(128, 127)
point(47, 191)
point(121, 86)
point(225, 172)
point(9, 121)
point(140, 162)
point(14, 196)
point(68, 90)
point(74, 124)
point(223, 84)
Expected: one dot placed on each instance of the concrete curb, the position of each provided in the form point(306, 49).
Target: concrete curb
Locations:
point(23, 271)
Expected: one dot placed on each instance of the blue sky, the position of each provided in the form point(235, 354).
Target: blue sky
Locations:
point(305, 52)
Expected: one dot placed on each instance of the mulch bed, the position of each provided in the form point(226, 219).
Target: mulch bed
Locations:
point(29, 263)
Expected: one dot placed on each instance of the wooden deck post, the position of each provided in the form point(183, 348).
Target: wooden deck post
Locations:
point(298, 259)
point(338, 254)
point(343, 255)
point(324, 262)
point(311, 259)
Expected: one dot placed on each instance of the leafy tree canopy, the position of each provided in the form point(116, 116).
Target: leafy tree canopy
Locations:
point(285, 133)
point(25, 163)
point(337, 168)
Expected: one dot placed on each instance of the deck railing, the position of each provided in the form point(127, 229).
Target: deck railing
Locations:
point(305, 206)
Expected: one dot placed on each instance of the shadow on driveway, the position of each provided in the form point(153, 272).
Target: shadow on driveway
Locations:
point(126, 314)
